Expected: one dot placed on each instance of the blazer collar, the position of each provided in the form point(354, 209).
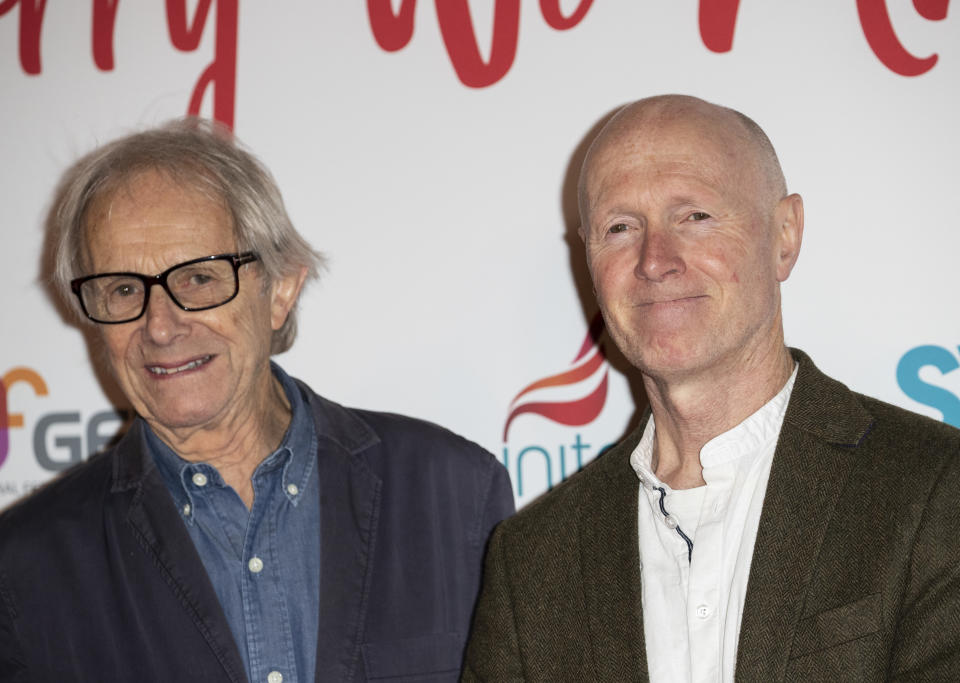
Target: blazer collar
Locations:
point(140, 495)
point(131, 459)
point(349, 515)
point(825, 408)
point(815, 453)
point(343, 428)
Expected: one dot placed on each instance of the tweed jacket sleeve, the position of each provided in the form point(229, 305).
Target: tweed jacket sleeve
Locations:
point(561, 594)
point(926, 645)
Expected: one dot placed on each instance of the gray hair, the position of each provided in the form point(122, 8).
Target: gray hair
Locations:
point(203, 155)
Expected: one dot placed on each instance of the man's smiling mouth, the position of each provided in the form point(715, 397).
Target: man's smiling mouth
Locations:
point(677, 300)
point(160, 370)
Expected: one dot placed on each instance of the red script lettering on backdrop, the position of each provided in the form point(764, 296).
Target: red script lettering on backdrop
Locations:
point(883, 40)
point(718, 19)
point(717, 23)
point(393, 31)
point(185, 35)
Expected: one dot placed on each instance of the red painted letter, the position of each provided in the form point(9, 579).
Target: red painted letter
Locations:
point(883, 40)
point(104, 18)
point(554, 17)
point(222, 71)
point(718, 19)
point(31, 19)
point(456, 26)
point(391, 31)
point(934, 10)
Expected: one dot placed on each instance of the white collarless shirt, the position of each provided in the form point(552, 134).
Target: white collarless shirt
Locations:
point(693, 593)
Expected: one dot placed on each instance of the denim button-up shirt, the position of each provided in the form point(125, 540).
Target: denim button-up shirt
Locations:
point(263, 562)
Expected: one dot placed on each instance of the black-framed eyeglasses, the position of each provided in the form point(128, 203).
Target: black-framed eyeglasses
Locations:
point(195, 285)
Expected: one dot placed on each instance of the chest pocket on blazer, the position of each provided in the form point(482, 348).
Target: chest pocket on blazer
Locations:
point(433, 654)
point(837, 626)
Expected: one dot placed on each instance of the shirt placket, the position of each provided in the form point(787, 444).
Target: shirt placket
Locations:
point(269, 641)
point(704, 605)
point(665, 575)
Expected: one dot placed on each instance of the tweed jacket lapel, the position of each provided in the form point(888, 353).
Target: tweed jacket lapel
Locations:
point(610, 556)
point(815, 453)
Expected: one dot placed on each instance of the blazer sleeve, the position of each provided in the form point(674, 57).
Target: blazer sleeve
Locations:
point(499, 502)
point(13, 667)
point(493, 653)
point(927, 639)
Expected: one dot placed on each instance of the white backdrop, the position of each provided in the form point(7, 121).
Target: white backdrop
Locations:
point(440, 188)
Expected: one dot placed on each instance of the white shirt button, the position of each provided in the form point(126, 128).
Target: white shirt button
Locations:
point(186, 509)
point(292, 489)
point(671, 522)
point(703, 611)
point(274, 677)
point(200, 479)
point(255, 564)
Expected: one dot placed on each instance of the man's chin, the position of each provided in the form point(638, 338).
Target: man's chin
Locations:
point(675, 361)
point(181, 418)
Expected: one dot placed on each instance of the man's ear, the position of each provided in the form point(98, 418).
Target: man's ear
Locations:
point(788, 224)
point(284, 293)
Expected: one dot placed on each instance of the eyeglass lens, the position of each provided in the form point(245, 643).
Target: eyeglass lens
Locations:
point(192, 286)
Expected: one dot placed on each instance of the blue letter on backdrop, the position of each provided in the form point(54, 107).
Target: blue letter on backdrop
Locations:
point(908, 377)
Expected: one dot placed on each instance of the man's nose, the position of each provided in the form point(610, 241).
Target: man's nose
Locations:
point(164, 319)
point(660, 255)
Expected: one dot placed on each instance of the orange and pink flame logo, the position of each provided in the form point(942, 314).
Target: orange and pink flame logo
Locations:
point(590, 362)
point(10, 420)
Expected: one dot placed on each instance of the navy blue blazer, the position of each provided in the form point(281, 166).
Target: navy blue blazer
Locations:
point(99, 580)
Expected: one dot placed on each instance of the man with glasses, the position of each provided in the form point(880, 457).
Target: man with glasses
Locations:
point(244, 528)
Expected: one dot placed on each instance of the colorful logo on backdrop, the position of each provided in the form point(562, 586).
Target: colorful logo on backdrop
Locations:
point(913, 384)
point(573, 398)
point(55, 440)
point(10, 420)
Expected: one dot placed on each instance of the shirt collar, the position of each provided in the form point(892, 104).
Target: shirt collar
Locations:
point(296, 454)
point(757, 430)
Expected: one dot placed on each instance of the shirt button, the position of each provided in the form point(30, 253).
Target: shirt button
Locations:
point(200, 479)
point(671, 522)
point(256, 566)
point(292, 489)
point(703, 611)
point(186, 509)
point(274, 677)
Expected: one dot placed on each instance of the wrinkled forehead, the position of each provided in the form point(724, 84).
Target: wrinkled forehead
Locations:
point(144, 207)
point(703, 151)
point(149, 189)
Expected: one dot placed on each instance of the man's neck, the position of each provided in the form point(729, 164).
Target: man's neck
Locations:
point(239, 443)
point(693, 410)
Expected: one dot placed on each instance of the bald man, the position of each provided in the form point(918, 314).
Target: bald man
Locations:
point(764, 523)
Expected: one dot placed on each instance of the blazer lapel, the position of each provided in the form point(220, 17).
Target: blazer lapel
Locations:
point(610, 557)
point(154, 520)
point(812, 462)
point(349, 513)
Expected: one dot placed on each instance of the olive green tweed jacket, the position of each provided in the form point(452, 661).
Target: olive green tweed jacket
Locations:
point(855, 573)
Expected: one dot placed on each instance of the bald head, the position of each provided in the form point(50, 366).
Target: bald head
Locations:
point(737, 140)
